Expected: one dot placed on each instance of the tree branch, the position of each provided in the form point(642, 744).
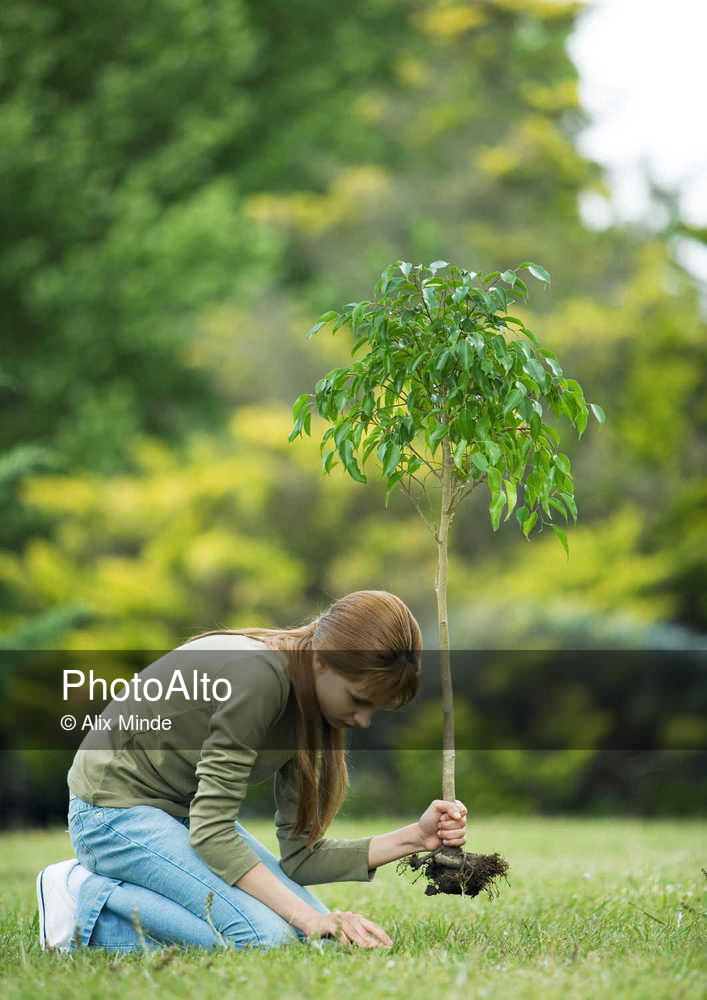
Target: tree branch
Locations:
point(464, 491)
point(423, 460)
point(430, 527)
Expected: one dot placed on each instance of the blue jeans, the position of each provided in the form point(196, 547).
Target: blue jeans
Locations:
point(142, 863)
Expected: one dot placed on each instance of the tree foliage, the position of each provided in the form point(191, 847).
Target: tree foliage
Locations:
point(442, 365)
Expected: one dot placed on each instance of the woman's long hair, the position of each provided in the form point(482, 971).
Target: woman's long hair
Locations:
point(370, 637)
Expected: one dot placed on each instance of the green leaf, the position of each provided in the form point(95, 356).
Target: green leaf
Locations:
point(371, 443)
point(598, 412)
point(492, 450)
point(488, 301)
point(482, 426)
point(430, 297)
point(522, 515)
point(529, 522)
point(553, 366)
point(531, 336)
point(349, 460)
point(552, 432)
point(418, 359)
point(437, 264)
point(343, 318)
point(509, 277)
point(569, 500)
point(391, 461)
point(443, 358)
point(460, 294)
point(536, 371)
point(299, 405)
point(496, 509)
point(324, 318)
point(342, 431)
point(391, 485)
point(563, 538)
point(386, 274)
point(558, 505)
point(440, 430)
point(358, 313)
point(537, 272)
point(511, 496)
point(465, 424)
point(493, 477)
point(480, 461)
point(513, 399)
point(459, 452)
point(359, 343)
point(328, 462)
point(405, 267)
point(563, 463)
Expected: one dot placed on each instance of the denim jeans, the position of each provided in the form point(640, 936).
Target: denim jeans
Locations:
point(142, 863)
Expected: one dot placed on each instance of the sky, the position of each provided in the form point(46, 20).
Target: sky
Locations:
point(643, 81)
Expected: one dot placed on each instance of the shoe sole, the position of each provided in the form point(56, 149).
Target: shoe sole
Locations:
point(40, 907)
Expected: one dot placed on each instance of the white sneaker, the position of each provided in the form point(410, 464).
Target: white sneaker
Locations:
point(57, 905)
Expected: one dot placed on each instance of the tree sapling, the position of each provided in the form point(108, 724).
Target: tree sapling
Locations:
point(443, 371)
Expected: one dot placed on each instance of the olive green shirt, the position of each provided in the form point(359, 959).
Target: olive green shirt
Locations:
point(201, 767)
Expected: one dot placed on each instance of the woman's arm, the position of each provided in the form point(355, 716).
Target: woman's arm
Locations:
point(385, 847)
point(260, 882)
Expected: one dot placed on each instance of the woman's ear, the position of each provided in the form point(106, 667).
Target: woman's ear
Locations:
point(319, 664)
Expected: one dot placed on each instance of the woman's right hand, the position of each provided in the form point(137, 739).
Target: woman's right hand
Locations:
point(349, 928)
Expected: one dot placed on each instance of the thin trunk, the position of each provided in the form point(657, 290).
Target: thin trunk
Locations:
point(441, 589)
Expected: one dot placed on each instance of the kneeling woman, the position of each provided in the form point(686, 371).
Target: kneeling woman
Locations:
point(153, 812)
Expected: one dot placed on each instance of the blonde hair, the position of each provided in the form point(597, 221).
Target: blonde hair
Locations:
point(370, 637)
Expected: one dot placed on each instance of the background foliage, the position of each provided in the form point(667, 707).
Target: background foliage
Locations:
point(185, 189)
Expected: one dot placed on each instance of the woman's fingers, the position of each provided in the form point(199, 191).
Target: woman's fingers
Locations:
point(452, 820)
point(451, 824)
point(366, 935)
point(452, 831)
point(358, 934)
point(377, 932)
point(358, 930)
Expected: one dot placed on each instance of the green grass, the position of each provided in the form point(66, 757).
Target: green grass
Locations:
point(595, 908)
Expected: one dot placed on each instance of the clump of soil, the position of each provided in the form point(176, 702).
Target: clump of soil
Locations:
point(475, 873)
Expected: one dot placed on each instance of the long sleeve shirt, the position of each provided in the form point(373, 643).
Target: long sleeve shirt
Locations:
point(202, 765)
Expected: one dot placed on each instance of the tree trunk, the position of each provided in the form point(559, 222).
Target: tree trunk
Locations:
point(452, 857)
point(441, 590)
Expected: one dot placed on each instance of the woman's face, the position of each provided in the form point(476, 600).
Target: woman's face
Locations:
point(340, 701)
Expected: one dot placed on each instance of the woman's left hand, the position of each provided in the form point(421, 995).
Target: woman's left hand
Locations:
point(443, 823)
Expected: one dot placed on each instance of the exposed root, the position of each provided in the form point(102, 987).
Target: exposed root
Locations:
point(476, 873)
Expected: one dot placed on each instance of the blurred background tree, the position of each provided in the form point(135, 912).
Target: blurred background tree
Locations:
point(184, 189)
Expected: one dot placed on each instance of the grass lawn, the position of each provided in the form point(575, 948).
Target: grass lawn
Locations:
point(595, 908)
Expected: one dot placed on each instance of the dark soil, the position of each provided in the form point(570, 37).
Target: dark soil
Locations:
point(476, 873)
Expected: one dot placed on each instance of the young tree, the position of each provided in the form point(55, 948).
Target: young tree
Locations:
point(444, 374)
